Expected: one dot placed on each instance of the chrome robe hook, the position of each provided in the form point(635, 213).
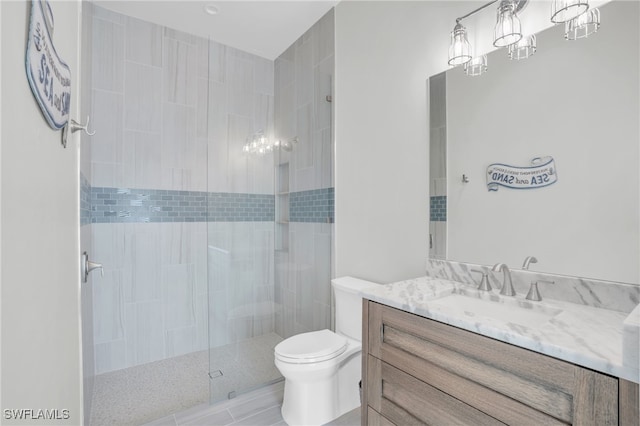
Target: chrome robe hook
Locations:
point(73, 126)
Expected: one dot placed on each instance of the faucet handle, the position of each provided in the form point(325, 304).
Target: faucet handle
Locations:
point(533, 293)
point(484, 281)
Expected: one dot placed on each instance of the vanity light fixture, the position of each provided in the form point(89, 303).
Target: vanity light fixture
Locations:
point(566, 10)
point(508, 29)
point(580, 22)
point(524, 48)
point(582, 26)
point(476, 66)
point(459, 49)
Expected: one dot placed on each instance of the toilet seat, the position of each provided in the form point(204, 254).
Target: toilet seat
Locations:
point(307, 348)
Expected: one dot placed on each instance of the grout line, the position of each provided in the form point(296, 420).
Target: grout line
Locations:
point(107, 20)
point(108, 91)
point(230, 415)
point(133, 61)
point(146, 132)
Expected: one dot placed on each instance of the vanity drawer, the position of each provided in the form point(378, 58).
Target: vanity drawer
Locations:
point(508, 383)
point(405, 400)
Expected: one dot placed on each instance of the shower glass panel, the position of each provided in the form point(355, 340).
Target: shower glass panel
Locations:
point(240, 235)
point(145, 187)
point(270, 224)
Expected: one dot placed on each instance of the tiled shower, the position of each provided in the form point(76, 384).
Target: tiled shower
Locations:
point(200, 267)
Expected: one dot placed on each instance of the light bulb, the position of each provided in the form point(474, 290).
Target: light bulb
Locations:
point(582, 26)
point(459, 49)
point(508, 28)
point(476, 66)
point(566, 10)
point(524, 48)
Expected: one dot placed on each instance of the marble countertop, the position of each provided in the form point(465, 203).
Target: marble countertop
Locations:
point(600, 339)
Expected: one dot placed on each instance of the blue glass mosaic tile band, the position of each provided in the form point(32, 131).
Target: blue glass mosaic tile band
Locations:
point(116, 205)
point(85, 201)
point(438, 208)
point(237, 207)
point(316, 205)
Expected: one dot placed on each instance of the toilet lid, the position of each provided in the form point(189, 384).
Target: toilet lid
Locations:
point(311, 347)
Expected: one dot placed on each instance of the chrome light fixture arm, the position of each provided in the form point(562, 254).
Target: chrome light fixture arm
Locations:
point(518, 6)
point(473, 12)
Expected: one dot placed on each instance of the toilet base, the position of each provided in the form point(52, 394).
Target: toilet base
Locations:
point(317, 402)
point(309, 404)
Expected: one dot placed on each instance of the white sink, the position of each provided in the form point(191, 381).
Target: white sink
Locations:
point(489, 306)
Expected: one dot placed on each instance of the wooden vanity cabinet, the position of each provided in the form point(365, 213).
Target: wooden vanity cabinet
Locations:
point(420, 371)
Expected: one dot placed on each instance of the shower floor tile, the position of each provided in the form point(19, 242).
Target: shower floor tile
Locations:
point(157, 390)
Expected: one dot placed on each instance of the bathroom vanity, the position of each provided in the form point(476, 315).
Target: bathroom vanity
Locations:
point(440, 352)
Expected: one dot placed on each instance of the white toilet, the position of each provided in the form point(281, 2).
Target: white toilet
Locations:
point(322, 368)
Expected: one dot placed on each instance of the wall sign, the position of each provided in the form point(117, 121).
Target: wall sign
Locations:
point(49, 77)
point(541, 173)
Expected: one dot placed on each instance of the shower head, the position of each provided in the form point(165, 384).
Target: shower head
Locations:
point(288, 145)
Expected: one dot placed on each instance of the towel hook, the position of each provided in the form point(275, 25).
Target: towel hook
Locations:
point(74, 126)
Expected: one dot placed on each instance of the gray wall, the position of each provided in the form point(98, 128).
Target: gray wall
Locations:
point(40, 294)
point(385, 51)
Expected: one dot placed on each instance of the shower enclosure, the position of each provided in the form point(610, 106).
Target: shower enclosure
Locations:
point(211, 255)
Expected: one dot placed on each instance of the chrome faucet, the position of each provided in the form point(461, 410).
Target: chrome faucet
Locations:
point(528, 260)
point(507, 285)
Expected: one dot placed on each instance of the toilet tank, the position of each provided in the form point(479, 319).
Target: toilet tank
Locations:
point(349, 305)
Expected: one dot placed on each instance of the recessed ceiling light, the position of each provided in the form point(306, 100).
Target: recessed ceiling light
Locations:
point(211, 9)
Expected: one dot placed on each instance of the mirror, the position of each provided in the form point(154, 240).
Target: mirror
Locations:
point(575, 101)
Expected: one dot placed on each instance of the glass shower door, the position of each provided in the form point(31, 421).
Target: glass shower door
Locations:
point(270, 225)
point(240, 235)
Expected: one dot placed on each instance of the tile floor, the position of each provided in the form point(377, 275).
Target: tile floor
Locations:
point(258, 408)
point(140, 394)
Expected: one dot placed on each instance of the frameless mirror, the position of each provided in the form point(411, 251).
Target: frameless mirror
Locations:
point(575, 101)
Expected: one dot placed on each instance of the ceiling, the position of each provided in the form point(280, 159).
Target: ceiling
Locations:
point(262, 27)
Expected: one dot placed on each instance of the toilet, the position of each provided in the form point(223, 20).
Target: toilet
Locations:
point(322, 368)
